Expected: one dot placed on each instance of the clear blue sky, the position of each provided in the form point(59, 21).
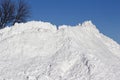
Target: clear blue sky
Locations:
point(105, 14)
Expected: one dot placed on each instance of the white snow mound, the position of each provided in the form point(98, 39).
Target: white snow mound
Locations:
point(38, 51)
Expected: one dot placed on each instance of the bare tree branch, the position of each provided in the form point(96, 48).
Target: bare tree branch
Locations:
point(8, 9)
point(10, 12)
point(22, 12)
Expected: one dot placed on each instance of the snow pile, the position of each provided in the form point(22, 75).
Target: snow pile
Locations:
point(38, 51)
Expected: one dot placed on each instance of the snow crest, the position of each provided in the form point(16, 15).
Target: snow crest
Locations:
point(39, 51)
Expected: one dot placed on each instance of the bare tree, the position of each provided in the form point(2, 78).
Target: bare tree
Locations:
point(10, 12)
point(7, 12)
point(22, 12)
point(0, 16)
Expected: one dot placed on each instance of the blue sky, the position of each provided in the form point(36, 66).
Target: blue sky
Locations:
point(105, 14)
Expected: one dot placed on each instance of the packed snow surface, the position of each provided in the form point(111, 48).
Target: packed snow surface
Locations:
point(38, 51)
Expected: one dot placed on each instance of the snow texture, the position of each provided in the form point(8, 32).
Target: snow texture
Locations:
point(38, 51)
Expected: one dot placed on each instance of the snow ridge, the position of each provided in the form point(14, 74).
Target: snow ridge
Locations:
point(37, 50)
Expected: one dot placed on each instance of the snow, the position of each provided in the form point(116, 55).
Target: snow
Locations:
point(37, 50)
